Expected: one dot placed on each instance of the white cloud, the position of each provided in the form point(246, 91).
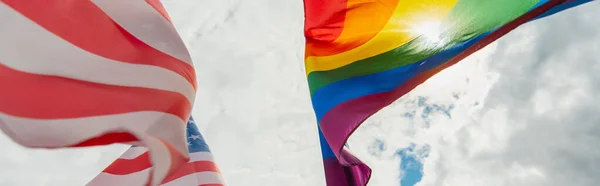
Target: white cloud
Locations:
point(523, 109)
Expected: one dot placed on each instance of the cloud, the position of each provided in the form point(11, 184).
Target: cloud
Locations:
point(253, 103)
point(41, 167)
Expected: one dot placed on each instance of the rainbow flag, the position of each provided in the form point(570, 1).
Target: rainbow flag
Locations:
point(361, 55)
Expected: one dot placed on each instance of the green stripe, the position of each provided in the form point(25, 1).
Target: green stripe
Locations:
point(469, 18)
point(403, 55)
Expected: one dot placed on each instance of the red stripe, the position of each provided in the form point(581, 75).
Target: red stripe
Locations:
point(85, 25)
point(128, 166)
point(191, 168)
point(105, 139)
point(52, 97)
point(324, 20)
point(108, 138)
point(142, 162)
point(159, 8)
point(124, 167)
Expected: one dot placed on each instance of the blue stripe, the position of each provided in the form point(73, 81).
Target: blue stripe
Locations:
point(336, 93)
point(325, 148)
point(562, 7)
point(333, 94)
point(540, 3)
point(195, 139)
point(442, 57)
point(339, 92)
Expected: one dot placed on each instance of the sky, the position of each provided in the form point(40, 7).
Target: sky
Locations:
point(520, 112)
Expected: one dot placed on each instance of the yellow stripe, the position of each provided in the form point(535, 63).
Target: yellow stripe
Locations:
point(394, 34)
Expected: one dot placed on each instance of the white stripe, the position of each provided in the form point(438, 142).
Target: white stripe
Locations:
point(133, 179)
point(139, 178)
point(197, 179)
point(153, 29)
point(133, 152)
point(64, 132)
point(201, 156)
point(160, 157)
point(26, 46)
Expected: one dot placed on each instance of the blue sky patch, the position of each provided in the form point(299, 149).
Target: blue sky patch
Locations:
point(411, 164)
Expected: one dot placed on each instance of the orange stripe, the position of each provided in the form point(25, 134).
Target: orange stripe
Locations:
point(364, 19)
point(396, 32)
point(86, 26)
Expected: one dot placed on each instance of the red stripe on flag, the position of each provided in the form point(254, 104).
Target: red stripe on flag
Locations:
point(142, 162)
point(85, 25)
point(52, 97)
point(324, 20)
point(128, 166)
point(108, 138)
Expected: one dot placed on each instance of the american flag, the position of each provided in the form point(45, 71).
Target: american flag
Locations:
point(94, 72)
point(132, 167)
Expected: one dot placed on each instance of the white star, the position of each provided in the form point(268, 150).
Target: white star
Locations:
point(195, 137)
point(189, 144)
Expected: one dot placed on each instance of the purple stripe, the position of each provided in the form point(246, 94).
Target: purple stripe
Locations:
point(361, 174)
point(341, 121)
point(334, 172)
point(337, 174)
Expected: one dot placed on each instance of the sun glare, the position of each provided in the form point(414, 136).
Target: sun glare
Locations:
point(430, 30)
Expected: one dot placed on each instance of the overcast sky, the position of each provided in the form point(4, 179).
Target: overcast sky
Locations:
point(520, 112)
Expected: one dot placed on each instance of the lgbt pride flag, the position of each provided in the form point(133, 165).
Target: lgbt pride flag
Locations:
point(361, 55)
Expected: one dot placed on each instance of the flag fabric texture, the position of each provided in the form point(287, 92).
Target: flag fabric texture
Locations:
point(95, 72)
point(362, 55)
point(132, 167)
